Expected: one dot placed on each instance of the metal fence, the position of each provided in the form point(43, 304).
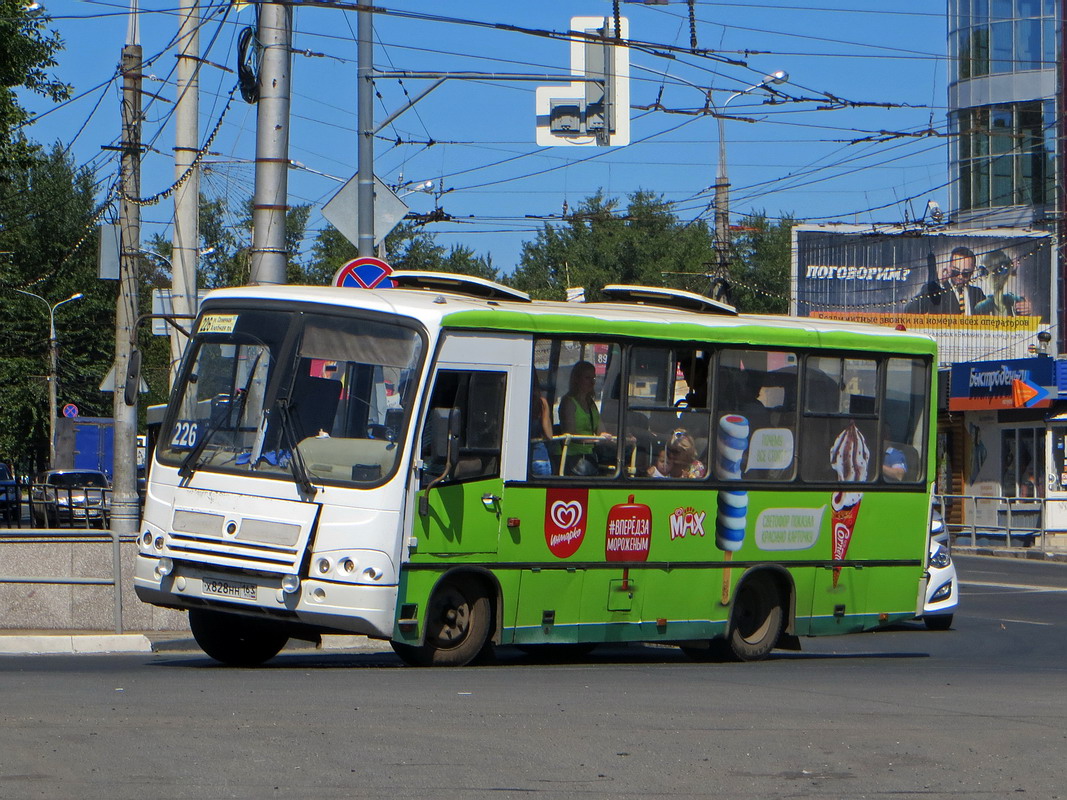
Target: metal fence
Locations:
point(75, 519)
point(993, 520)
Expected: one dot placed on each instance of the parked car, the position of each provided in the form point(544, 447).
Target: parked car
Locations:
point(942, 590)
point(70, 497)
point(10, 495)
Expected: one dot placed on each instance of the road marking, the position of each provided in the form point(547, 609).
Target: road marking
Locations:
point(1026, 622)
point(1022, 586)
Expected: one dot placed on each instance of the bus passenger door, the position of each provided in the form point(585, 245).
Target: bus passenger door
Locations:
point(460, 482)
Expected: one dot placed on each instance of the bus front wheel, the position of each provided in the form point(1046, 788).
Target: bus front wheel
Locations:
point(458, 622)
point(756, 622)
point(234, 640)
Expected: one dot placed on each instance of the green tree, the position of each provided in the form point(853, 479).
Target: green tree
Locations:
point(49, 249)
point(27, 51)
point(759, 275)
point(408, 246)
point(597, 245)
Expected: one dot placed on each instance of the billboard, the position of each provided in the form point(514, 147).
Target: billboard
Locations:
point(982, 294)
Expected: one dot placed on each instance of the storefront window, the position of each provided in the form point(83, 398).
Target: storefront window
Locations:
point(1023, 462)
point(1058, 480)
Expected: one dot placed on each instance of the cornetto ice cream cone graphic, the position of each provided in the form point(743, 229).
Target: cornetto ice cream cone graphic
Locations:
point(850, 458)
point(844, 508)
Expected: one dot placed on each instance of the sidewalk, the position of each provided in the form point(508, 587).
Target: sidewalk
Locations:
point(25, 643)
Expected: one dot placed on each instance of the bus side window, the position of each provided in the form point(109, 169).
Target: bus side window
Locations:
point(479, 398)
point(761, 387)
point(904, 420)
point(839, 433)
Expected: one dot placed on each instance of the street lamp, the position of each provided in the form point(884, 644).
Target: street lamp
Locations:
point(54, 364)
point(722, 184)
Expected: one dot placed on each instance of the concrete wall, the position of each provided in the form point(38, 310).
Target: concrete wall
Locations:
point(53, 606)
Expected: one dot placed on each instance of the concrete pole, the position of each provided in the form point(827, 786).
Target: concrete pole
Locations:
point(365, 123)
point(722, 202)
point(186, 238)
point(125, 509)
point(270, 203)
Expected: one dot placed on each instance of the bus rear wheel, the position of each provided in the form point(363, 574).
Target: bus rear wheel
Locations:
point(458, 621)
point(234, 640)
point(756, 622)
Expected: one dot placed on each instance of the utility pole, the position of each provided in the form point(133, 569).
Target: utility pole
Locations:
point(365, 123)
point(186, 238)
point(275, 34)
point(125, 509)
point(722, 183)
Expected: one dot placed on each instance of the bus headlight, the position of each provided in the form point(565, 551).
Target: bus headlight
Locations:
point(940, 558)
point(165, 567)
point(291, 584)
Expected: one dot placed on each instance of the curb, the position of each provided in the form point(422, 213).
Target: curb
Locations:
point(39, 644)
point(1030, 553)
point(74, 644)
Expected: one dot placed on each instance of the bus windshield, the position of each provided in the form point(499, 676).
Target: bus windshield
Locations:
point(304, 396)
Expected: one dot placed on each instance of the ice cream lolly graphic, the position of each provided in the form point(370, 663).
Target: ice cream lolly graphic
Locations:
point(850, 458)
point(730, 446)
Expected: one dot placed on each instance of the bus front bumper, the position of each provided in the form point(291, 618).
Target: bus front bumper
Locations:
point(355, 608)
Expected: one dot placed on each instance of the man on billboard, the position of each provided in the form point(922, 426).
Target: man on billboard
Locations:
point(952, 292)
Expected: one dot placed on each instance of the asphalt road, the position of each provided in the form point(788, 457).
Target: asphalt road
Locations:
point(977, 711)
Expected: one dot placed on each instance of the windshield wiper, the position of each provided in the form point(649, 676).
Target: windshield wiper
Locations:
point(296, 460)
point(191, 462)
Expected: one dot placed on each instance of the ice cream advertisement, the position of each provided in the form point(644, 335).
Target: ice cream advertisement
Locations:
point(629, 532)
point(687, 521)
point(770, 448)
point(566, 511)
point(730, 521)
point(850, 458)
point(788, 528)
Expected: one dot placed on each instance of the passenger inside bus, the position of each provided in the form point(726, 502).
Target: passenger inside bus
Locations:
point(694, 368)
point(661, 467)
point(540, 431)
point(682, 457)
point(579, 416)
point(894, 464)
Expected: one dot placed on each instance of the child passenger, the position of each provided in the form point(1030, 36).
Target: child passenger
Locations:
point(661, 467)
point(678, 459)
point(682, 455)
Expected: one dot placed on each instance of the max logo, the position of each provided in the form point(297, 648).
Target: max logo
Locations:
point(565, 520)
point(687, 521)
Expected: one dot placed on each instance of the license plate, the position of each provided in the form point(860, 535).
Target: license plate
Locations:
point(244, 591)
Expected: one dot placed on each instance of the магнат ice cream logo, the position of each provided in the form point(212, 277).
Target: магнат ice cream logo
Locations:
point(565, 520)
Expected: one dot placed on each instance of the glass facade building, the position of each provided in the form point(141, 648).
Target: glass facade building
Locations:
point(1002, 111)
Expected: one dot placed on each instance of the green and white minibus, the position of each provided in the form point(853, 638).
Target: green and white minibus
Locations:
point(449, 466)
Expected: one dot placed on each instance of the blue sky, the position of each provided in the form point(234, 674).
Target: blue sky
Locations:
point(855, 159)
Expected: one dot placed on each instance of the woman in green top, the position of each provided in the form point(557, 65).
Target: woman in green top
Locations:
point(579, 415)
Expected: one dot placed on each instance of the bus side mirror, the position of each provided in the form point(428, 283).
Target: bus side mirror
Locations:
point(133, 378)
point(446, 427)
